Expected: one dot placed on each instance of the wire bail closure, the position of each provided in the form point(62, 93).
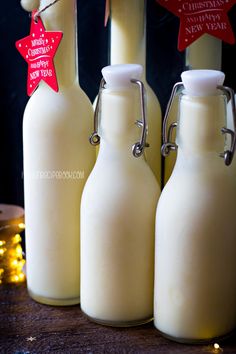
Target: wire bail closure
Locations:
point(94, 138)
point(169, 145)
point(229, 154)
point(137, 148)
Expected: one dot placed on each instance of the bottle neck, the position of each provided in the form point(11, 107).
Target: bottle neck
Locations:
point(128, 32)
point(62, 17)
point(117, 129)
point(204, 53)
point(200, 122)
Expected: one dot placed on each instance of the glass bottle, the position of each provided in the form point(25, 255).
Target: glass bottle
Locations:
point(128, 45)
point(118, 208)
point(57, 161)
point(195, 259)
point(204, 53)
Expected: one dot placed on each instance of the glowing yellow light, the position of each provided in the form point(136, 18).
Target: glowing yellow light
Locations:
point(21, 225)
point(20, 265)
point(15, 278)
point(21, 277)
point(11, 258)
point(17, 238)
point(2, 251)
point(217, 348)
point(14, 263)
point(18, 251)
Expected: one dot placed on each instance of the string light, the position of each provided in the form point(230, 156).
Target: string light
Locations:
point(2, 251)
point(217, 348)
point(21, 225)
point(16, 238)
point(11, 255)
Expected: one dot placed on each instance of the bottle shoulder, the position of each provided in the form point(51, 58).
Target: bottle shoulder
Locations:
point(202, 190)
point(122, 178)
point(48, 107)
point(45, 97)
point(196, 209)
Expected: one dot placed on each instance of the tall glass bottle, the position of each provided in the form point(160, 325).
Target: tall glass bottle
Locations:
point(195, 260)
point(128, 45)
point(204, 53)
point(118, 210)
point(57, 161)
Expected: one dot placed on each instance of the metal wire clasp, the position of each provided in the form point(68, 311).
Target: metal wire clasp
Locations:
point(94, 138)
point(137, 148)
point(168, 145)
point(229, 154)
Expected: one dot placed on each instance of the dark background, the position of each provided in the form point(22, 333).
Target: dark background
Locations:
point(164, 65)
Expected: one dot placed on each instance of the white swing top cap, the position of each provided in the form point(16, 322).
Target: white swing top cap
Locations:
point(119, 76)
point(202, 82)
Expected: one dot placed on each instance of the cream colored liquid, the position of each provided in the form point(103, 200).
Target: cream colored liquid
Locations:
point(117, 222)
point(128, 45)
point(61, 17)
point(195, 280)
point(57, 161)
point(204, 53)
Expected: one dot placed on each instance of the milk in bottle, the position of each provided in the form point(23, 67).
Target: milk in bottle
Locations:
point(118, 209)
point(195, 251)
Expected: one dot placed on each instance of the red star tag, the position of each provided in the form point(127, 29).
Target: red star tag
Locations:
point(201, 16)
point(39, 49)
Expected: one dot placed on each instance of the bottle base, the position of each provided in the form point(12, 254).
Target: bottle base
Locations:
point(52, 301)
point(197, 341)
point(108, 323)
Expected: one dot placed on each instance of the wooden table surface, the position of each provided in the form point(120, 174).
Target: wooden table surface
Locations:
point(29, 327)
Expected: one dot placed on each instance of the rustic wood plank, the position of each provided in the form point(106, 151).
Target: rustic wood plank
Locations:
point(66, 330)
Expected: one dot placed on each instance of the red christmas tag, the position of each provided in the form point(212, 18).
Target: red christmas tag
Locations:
point(39, 49)
point(201, 16)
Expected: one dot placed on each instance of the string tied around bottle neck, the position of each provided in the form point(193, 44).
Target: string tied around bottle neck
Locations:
point(38, 13)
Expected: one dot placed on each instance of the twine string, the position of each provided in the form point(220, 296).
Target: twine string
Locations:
point(38, 13)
